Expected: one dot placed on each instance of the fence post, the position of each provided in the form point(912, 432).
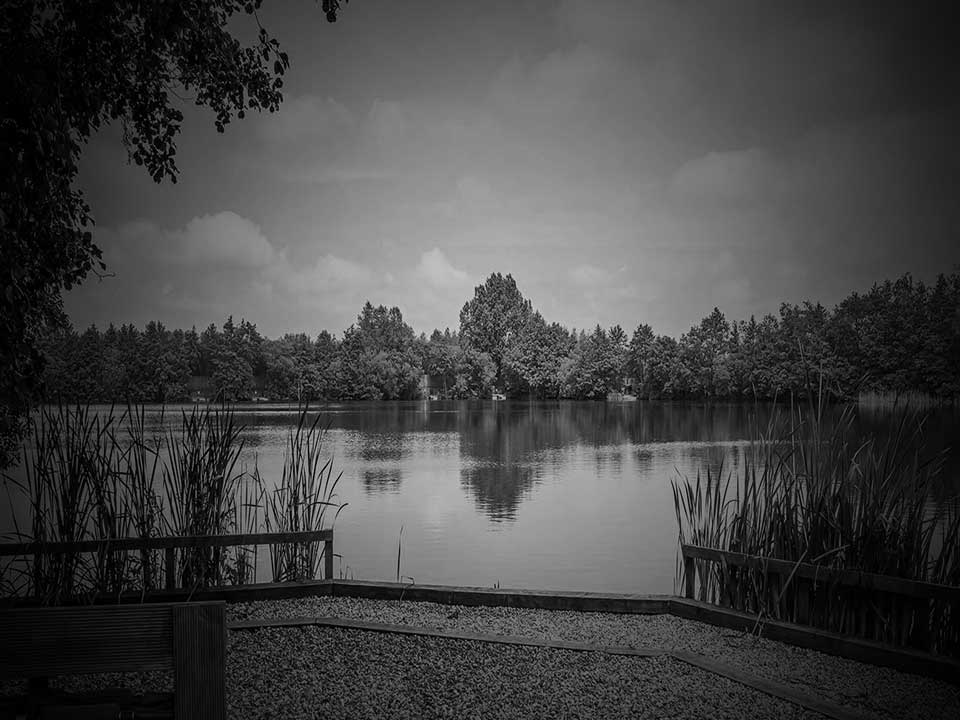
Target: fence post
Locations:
point(920, 635)
point(328, 558)
point(170, 563)
point(689, 575)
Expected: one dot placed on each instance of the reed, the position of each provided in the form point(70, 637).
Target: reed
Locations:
point(70, 485)
point(201, 484)
point(90, 474)
point(811, 492)
point(304, 499)
point(144, 504)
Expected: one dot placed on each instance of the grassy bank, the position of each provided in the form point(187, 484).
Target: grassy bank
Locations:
point(88, 475)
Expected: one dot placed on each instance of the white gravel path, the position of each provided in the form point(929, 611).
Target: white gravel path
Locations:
point(882, 692)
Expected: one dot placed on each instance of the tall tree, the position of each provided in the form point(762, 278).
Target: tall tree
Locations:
point(497, 311)
point(534, 357)
point(70, 67)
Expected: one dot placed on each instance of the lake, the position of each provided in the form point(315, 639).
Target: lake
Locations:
point(557, 495)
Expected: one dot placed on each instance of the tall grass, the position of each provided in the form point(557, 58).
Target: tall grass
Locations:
point(305, 499)
point(201, 484)
point(89, 474)
point(812, 492)
point(144, 502)
point(57, 484)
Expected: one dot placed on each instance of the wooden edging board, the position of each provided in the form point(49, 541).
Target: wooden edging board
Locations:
point(228, 593)
point(866, 651)
point(770, 687)
point(625, 603)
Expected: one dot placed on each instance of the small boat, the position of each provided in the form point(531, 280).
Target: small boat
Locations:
point(498, 396)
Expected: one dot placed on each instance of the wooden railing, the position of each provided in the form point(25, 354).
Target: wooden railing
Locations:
point(890, 609)
point(171, 544)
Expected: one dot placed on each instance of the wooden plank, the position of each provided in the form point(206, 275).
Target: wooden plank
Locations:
point(75, 640)
point(502, 597)
point(867, 651)
point(162, 543)
point(423, 631)
point(851, 578)
point(199, 661)
point(770, 687)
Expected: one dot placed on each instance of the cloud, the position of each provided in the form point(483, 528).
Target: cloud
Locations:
point(387, 122)
point(328, 273)
point(308, 119)
point(435, 269)
point(739, 175)
point(589, 276)
point(224, 240)
point(215, 266)
point(739, 159)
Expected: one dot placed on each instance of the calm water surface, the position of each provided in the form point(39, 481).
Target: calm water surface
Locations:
point(560, 495)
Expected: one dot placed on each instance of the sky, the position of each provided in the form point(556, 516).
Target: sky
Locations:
point(626, 161)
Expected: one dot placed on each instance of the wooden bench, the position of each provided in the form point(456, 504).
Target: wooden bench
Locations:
point(189, 638)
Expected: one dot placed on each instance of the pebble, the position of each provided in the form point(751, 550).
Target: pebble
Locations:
point(313, 671)
point(345, 673)
point(883, 692)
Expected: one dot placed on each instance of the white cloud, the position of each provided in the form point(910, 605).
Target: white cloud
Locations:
point(330, 272)
point(215, 266)
point(435, 269)
point(224, 239)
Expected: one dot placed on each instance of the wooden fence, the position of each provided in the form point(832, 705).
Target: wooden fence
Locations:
point(888, 609)
point(173, 548)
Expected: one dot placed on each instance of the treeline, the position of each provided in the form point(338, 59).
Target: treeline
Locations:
point(901, 336)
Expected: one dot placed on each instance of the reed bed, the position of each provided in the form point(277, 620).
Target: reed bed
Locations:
point(89, 475)
point(303, 500)
point(811, 492)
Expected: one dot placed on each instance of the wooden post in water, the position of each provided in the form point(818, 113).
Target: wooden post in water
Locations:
point(328, 558)
point(171, 570)
point(689, 576)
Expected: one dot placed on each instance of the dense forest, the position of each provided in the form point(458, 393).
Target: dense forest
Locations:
point(900, 337)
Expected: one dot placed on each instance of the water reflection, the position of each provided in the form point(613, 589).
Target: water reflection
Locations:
point(498, 488)
point(502, 451)
point(489, 491)
point(381, 480)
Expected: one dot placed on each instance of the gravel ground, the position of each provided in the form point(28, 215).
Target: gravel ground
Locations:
point(879, 691)
point(323, 672)
point(313, 672)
